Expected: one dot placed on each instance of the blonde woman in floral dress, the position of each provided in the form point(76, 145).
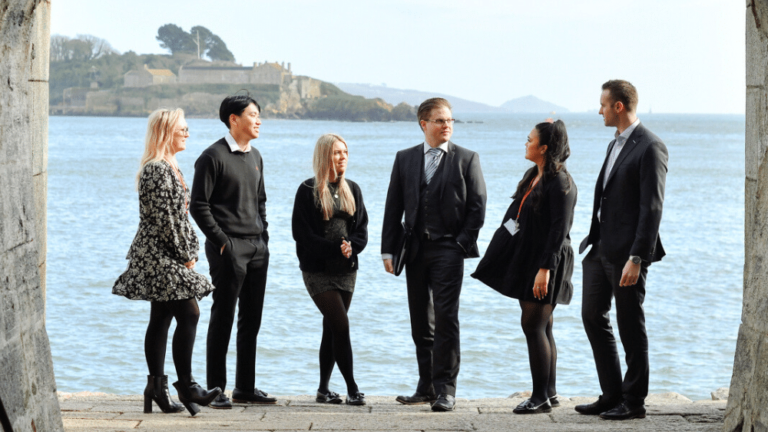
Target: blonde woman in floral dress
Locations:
point(161, 265)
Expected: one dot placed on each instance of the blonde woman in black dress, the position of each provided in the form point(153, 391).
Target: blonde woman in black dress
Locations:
point(161, 265)
point(330, 226)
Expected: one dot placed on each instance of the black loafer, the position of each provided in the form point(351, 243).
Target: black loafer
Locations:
point(221, 402)
point(329, 398)
point(624, 412)
point(527, 407)
point(554, 401)
point(356, 399)
point(417, 399)
point(257, 397)
point(598, 407)
point(444, 403)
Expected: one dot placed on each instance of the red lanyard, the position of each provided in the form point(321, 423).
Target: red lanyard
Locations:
point(534, 182)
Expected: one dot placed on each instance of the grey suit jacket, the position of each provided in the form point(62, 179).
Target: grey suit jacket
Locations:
point(462, 196)
point(631, 201)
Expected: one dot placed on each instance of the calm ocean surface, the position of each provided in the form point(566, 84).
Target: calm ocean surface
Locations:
point(693, 301)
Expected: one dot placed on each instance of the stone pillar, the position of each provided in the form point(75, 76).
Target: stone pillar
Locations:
point(747, 408)
point(28, 399)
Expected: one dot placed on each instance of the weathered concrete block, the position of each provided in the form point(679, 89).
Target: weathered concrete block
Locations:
point(40, 191)
point(720, 394)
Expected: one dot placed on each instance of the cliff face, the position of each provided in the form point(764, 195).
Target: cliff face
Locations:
point(746, 410)
point(27, 388)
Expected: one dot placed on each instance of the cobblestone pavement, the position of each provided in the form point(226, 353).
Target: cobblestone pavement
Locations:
point(100, 412)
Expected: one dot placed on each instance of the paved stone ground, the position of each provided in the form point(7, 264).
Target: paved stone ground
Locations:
point(668, 412)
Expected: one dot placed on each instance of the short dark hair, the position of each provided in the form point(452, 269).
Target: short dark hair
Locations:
point(235, 105)
point(428, 105)
point(624, 92)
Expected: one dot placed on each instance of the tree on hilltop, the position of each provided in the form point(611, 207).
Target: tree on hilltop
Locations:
point(82, 48)
point(175, 39)
point(211, 45)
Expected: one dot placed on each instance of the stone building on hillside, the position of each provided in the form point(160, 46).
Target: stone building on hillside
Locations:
point(147, 77)
point(260, 73)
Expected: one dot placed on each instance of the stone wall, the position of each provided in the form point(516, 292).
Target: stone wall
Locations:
point(27, 387)
point(747, 408)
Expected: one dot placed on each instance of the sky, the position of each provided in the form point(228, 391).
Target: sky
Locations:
point(684, 56)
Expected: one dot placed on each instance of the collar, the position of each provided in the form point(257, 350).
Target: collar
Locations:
point(443, 147)
point(627, 132)
point(233, 147)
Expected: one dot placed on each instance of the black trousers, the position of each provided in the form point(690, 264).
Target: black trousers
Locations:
point(601, 284)
point(240, 278)
point(434, 280)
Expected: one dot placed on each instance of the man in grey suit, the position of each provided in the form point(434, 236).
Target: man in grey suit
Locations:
point(439, 188)
point(624, 235)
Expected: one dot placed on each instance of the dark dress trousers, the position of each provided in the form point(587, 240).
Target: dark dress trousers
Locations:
point(511, 262)
point(451, 208)
point(228, 204)
point(628, 225)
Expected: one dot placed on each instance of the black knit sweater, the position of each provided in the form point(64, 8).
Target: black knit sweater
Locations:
point(228, 196)
point(312, 248)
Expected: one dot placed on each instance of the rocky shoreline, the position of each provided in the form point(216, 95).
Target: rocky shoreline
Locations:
point(87, 411)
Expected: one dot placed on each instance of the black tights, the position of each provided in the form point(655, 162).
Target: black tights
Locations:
point(186, 313)
point(542, 352)
point(336, 346)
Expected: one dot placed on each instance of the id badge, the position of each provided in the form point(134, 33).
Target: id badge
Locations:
point(512, 226)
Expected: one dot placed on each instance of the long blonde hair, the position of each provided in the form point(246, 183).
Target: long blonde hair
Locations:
point(159, 139)
point(325, 169)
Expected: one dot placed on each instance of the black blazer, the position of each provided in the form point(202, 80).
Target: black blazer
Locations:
point(462, 197)
point(632, 200)
point(312, 247)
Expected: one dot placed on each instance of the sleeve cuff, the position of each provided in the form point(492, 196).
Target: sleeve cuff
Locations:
point(386, 256)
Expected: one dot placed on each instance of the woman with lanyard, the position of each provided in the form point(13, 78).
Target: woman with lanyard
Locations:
point(161, 262)
point(530, 256)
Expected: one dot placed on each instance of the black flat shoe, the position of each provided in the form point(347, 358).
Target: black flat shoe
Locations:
point(329, 398)
point(595, 408)
point(554, 401)
point(356, 399)
point(527, 407)
point(257, 397)
point(444, 403)
point(221, 402)
point(417, 399)
point(624, 412)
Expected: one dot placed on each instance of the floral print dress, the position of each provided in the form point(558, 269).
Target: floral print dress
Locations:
point(164, 242)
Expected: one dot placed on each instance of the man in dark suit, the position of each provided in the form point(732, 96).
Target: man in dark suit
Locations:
point(440, 188)
point(625, 240)
point(228, 203)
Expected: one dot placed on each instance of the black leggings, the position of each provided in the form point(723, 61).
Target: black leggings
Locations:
point(336, 346)
point(542, 352)
point(186, 313)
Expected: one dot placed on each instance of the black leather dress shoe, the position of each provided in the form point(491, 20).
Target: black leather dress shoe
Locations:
point(624, 412)
point(598, 407)
point(527, 407)
point(416, 399)
point(356, 399)
point(221, 402)
point(257, 397)
point(329, 397)
point(444, 403)
point(554, 401)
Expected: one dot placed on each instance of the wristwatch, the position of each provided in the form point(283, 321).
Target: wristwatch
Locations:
point(635, 259)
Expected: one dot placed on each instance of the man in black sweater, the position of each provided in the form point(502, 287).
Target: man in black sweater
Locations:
point(228, 204)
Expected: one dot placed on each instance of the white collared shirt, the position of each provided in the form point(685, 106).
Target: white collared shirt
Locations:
point(443, 147)
point(621, 140)
point(233, 147)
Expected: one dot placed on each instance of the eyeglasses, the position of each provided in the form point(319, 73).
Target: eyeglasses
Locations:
point(184, 131)
point(442, 122)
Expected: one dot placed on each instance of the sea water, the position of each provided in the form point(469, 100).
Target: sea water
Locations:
point(693, 301)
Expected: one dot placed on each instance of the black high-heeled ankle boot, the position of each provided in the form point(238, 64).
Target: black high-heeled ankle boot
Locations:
point(192, 395)
point(157, 390)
